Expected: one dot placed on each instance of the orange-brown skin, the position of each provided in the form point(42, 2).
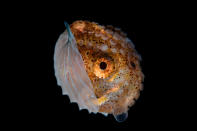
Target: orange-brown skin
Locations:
point(121, 80)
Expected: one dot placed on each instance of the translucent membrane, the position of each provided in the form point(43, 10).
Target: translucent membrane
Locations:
point(121, 117)
point(71, 74)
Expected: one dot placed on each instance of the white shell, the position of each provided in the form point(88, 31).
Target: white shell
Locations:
point(71, 74)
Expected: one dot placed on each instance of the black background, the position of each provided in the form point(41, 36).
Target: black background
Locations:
point(41, 103)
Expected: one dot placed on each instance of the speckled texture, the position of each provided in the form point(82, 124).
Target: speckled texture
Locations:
point(119, 84)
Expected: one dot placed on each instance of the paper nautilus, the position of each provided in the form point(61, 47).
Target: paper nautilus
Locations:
point(98, 68)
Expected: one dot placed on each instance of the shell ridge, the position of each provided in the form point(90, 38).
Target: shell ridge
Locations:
point(75, 64)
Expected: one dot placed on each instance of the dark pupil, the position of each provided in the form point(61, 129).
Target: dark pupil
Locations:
point(133, 64)
point(103, 65)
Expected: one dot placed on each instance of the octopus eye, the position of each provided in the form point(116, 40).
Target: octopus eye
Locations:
point(103, 65)
point(132, 64)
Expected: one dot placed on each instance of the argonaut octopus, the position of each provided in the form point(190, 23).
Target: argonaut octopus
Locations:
point(98, 68)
